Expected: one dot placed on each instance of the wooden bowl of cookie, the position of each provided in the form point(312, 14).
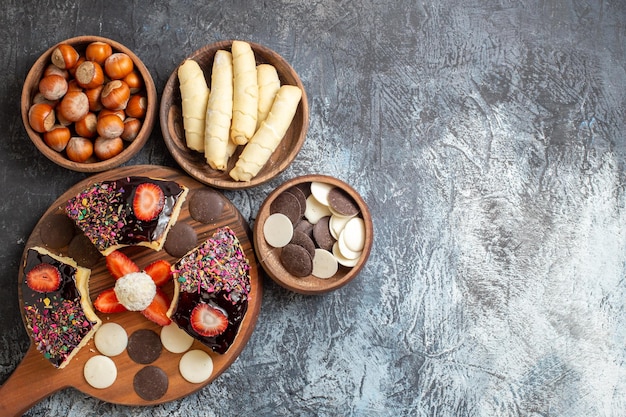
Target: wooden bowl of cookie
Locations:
point(71, 95)
point(234, 114)
point(313, 234)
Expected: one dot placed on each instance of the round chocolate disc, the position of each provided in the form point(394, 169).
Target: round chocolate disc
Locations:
point(299, 194)
point(296, 260)
point(305, 187)
point(83, 251)
point(341, 202)
point(302, 239)
point(57, 231)
point(287, 204)
point(144, 346)
point(206, 205)
point(151, 383)
point(305, 226)
point(322, 234)
point(180, 239)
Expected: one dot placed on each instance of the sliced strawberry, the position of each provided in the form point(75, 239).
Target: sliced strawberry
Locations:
point(119, 264)
point(107, 302)
point(43, 278)
point(207, 320)
point(157, 310)
point(159, 271)
point(148, 201)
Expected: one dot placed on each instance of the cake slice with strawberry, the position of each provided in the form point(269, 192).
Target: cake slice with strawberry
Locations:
point(128, 211)
point(58, 312)
point(212, 289)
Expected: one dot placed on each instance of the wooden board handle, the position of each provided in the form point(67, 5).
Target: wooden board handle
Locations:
point(28, 385)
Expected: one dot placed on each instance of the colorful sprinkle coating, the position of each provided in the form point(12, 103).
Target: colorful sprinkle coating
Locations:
point(99, 211)
point(58, 328)
point(104, 212)
point(217, 265)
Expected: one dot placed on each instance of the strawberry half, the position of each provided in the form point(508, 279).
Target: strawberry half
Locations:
point(157, 310)
point(119, 264)
point(107, 302)
point(159, 271)
point(43, 278)
point(148, 201)
point(207, 320)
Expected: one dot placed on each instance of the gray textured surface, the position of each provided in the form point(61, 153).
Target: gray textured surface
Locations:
point(487, 138)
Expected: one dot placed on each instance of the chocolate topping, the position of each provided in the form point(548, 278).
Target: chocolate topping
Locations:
point(83, 251)
point(216, 273)
point(104, 212)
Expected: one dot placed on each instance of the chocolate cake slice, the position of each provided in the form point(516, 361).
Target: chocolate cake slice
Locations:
point(57, 309)
point(212, 289)
point(128, 211)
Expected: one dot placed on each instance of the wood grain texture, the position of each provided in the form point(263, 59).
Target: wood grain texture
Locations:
point(36, 371)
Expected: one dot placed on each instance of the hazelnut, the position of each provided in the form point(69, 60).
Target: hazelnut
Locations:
point(115, 95)
point(137, 106)
point(107, 148)
point(41, 117)
point(64, 56)
point(79, 149)
point(109, 126)
point(74, 106)
point(53, 86)
point(118, 65)
point(87, 126)
point(98, 52)
point(132, 126)
point(89, 75)
point(57, 138)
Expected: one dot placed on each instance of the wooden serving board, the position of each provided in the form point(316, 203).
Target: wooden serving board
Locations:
point(35, 378)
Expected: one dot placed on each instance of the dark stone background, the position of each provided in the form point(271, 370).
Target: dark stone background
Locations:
point(487, 137)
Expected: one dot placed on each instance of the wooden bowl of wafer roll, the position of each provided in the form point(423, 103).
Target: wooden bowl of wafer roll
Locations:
point(234, 114)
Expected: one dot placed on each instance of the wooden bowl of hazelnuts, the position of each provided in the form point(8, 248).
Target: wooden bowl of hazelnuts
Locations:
point(89, 104)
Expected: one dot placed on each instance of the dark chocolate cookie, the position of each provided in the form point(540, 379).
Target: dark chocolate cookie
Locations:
point(57, 230)
point(341, 202)
point(206, 205)
point(181, 239)
point(144, 346)
point(151, 383)
point(296, 260)
point(302, 239)
point(321, 234)
point(305, 226)
point(299, 194)
point(287, 204)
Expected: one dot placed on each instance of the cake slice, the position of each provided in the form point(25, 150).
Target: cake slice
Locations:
point(57, 309)
point(211, 290)
point(129, 211)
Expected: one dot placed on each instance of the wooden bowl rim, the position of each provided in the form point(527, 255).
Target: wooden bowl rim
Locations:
point(32, 79)
point(225, 182)
point(303, 285)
